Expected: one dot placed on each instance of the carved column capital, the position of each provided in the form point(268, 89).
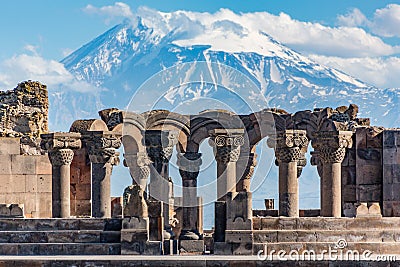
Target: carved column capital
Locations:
point(59, 147)
point(289, 145)
point(160, 144)
point(101, 146)
point(226, 144)
point(139, 164)
point(189, 165)
point(331, 145)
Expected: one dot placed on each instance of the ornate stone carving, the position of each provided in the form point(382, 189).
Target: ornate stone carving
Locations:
point(101, 146)
point(59, 146)
point(289, 145)
point(189, 165)
point(139, 165)
point(331, 146)
point(160, 144)
point(226, 144)
point(60, 157)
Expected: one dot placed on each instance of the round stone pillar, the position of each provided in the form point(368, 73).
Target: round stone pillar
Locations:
point(101, 146)
point(59, 147)
point(189, 167)
point(331, 147)
point(290, 146)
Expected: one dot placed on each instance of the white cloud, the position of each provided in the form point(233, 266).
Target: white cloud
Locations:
point(385, 22)
point(306, 37)
point(34, 67)
point(381, 72)
point(118, 10)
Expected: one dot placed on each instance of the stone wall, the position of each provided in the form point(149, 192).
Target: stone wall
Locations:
point(81, 184)
point(391, 172)
point(25, 179)
point(24, 114)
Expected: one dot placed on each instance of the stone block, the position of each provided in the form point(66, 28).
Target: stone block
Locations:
point(242, 248)
point(153, 248)
point(5, 182)
point(348, 175)
point(44, 205)
point(23, 164)
point(239, 236)
point(31, 183)
point(43, 165)
point(269, 223)
point(5, 165)
point(155, 208)
point(133, 248)
point(87, 237)
point(131, 236)
point(349, 193)
point(371, 174)
point(135, 223)
point(391, 155)
point(9, 249)
point(170, 247)
point(110, 237)
point(222, 248)
point(61, 236)
point(256, 223)
point(390, 138)
point(306, 236)
point(9, 146)
point(369, 193)
point(391, 173)
point(17, 210)
point(264, 236)
point(362, 210)
point(17, 183)
point(4, 210)
point(83, 191)
point(287, 236)
point(349, 209)
point(44, 183)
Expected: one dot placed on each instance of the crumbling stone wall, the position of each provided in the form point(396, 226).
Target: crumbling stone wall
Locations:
point(24, 114)
point(25, 174)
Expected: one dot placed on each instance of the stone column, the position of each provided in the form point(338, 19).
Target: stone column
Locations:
point(226, 144)
point(135, 195)
point(245, 167)
point(60, 150)
point(189, 167)
point(290, 146)
point(101, 146)
point(159, 146)
point(331, 147)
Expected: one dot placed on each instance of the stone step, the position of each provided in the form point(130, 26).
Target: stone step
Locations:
point(325, 223)
point(368, 235)
point(60, 249)
point(376, 248)
point(60, 236)
point(60, 224)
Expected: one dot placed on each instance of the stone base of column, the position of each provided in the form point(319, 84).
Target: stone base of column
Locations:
point(134, 235)
point(220, 221)
point(156, 220)
point(191, 247)
point(189, 235)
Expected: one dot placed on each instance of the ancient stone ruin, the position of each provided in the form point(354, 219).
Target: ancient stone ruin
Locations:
point(56, 181)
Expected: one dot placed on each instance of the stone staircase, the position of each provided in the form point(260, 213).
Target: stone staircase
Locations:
point(378, 235)
point(60, 236)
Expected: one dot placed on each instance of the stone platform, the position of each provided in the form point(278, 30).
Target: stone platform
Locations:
point(60, 236)
point(190, 261)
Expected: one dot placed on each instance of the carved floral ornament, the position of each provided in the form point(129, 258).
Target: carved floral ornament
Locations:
point(331, 146)
point(289, 145)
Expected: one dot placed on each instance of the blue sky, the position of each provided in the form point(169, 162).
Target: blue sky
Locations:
point(58, 26)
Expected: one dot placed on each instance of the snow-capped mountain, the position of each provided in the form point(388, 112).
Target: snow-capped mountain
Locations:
point(123, 58)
